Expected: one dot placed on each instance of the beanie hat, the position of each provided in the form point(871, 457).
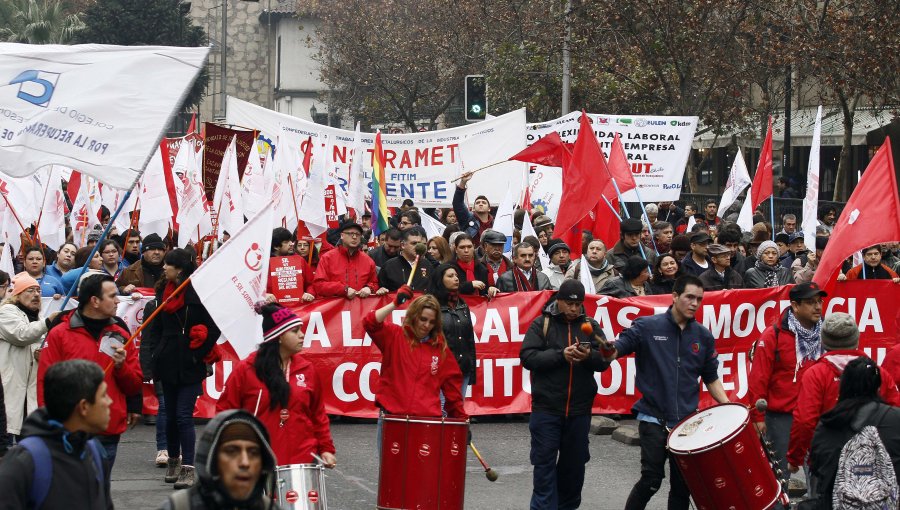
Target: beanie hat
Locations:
point(238, 430)
point(152, 242)
point(277, 320)
point(556, 244)
point(23, 281)
point(765, 245)
point(839, 331)
point(571, 290)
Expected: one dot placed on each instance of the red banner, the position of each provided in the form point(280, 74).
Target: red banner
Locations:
point(342, 352)
point(216, 142)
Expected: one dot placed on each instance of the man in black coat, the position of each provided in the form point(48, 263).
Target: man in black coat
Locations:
point(395, 272)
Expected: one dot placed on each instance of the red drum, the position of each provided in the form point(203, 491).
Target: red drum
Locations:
point(723, 461)
point(423, 463)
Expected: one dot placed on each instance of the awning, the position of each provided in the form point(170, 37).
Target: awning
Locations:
point(802, 123)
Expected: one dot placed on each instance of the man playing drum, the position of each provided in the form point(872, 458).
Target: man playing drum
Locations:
point(671, 351)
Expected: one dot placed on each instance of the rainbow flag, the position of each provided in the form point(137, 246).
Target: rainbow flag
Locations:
point(380, 214)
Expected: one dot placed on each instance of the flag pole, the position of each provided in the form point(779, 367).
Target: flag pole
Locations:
point(625, 210)
point(41, 214)
point(649, 226)
point(482, 168)
point(772, 212)
point(611, 208)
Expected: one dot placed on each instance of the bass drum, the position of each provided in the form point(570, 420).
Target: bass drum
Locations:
point(723, 461)
point(301, 487)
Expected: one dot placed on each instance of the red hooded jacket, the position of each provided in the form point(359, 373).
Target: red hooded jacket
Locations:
point(306, 428)
point(413, 377)
point(891, 362)
point(70, 340)
point(819, 393)
point(338, 270)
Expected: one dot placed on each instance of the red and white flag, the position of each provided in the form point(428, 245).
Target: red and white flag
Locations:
point(356, 195)
point(227, 202)
point(234, 278)
point(193, 217)
point(255, 184)
point(52, 227)
point(811, 200)
point(85, 209)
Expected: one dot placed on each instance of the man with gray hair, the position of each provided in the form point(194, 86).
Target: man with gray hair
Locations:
point(788, 224)
point(820, 385)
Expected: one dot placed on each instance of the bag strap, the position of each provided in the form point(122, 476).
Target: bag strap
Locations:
point(43, 470)
point(181, 500)
point(97, 457)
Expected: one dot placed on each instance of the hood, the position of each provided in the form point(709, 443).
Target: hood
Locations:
point(207, 444)
point(838, 360)
point(39, 424)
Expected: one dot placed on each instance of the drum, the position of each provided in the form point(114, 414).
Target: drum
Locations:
point(423, 463)
point(301, 487)
point(723, 461)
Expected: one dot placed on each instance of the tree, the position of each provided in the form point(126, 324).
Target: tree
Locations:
point(139, 22)
point(37, 22)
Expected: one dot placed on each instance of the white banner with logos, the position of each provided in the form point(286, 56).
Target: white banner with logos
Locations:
point(657, 148)
point(419, 166)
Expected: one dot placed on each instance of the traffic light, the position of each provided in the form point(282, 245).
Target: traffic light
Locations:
point(476, 97)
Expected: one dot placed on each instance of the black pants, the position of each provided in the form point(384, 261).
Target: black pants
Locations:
point(559, 452)
point(653, 463)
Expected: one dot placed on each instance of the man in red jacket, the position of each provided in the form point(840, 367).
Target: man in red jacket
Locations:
point(346, 271)
point(821, 382)
point(781, 356)
point(94, 333)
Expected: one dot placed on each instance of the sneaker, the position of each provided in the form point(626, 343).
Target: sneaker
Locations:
point(173, 469)
point(185, 478)
point(162, 458)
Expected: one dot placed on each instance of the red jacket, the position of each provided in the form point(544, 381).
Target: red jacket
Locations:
point(70, 340)
point(891, 362)
point(819, 393)
point(338, 270)
point(306, 428)
point(413, 377)
point(774, 374)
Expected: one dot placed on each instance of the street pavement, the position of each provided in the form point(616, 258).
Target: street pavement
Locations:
point(353, 484)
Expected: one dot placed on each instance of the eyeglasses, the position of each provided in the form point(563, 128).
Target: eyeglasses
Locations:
point(32, 290)
point(351, 234)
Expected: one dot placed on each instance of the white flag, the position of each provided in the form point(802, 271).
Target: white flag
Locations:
point(85, 210)
point(193, 217)
point(287, 162)
point(227, 200)
point(156, 209)
point(312, 210)
point(234, 278)
point(110, 197)
point(52, 228)
point(24, 194)
point(254, 183)
point(98, 108)
point(584, 275)
point(811, 200)
point(738, 179)
point(503, 221)
point(528, 230)
point(356, 196)
point(745, 218)
point(6, 263)
point(433, 227)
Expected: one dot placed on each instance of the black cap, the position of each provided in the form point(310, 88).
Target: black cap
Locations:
point(631, 226)
point(781, 237)
point(806, 290)
point(571, 290)
point(152, 242)
point(348, 224)
point(700, 238)
point(793, 237)
point(554, 245)
point(491, 236)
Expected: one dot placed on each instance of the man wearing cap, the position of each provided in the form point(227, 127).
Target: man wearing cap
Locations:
point(672, 351)
point(492, 244)
point(345, 271)
point(629, 245)
point(780, 358)
point(523, 277)
point(697, 261)
point(559, 253)
point(562, 359)
point(796, 250)
point(395, 273)
point(480, 218)
point(720, 276)
point(21, 329)
point(147, 271)
point(820, 384)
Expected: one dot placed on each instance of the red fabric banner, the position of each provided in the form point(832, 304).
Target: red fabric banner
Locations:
point(343, 354)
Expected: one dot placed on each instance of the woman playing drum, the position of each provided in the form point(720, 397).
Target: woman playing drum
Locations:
point(281, 388)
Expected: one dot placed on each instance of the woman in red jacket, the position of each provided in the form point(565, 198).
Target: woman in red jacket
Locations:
point(280, 387)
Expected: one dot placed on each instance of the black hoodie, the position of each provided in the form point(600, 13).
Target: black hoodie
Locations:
point(74, 479)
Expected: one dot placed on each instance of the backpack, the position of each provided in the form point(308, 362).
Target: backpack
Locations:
point(43, 467)
point(865, 476)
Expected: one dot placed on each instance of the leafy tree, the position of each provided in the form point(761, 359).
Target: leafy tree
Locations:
point(37, 22)
point(142, 22)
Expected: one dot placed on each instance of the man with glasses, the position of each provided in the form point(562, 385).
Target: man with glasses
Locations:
point(345, 271)
point(408, 219)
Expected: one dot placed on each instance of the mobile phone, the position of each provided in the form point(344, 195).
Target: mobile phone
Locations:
point(584, 344)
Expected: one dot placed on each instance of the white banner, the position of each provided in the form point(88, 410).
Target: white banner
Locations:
point(100, 109)
point(657, 148)
point(419, 166)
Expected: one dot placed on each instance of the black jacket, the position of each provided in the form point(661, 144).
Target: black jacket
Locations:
point(689, 266)
point(618, 287)
point(74, 480)
point(395, 273)
point(755, 277)
point(4, 437)
point(380, 257)
point(661, 285)
point(481, 274)
point(712, 281)
point(456, 321)
point(559, 387)
point(507, 280)
point(174, 362)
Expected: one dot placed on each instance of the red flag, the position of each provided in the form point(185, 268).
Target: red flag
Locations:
point(307, 155)
point(192, 127)
point(74, 185)
point(762, 180)
point(582, 177)
point(606, 224)
point(871, 216)
point(548, 151)
point(620, 170)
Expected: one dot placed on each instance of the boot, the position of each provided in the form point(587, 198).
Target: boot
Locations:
point(173, 469)
point(185, 478)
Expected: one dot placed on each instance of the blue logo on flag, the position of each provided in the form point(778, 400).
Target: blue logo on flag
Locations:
point(36, 87)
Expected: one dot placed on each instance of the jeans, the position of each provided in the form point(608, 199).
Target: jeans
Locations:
point(180, 435)
point(778, 432)
point(559, 452)
point(160, 418)
point(110, 448)
point(653, 462)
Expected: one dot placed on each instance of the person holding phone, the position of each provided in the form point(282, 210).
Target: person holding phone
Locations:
point(561, 350)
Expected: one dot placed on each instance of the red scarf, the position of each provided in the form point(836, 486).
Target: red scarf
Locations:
point(502, 269)
point(524, 284)
point(176, 303)
point(469, 268)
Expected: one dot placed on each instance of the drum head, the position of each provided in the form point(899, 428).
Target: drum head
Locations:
point(708, 427)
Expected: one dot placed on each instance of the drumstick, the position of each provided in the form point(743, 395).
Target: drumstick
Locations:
point(488, 472)
point(420, 250)
point(257, 403)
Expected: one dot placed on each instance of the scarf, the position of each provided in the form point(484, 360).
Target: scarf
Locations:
point(769, 273)
point(492, 281)
point(176, 303)
point(809, 344)
point(452, 300)
point(469, 268)
point(601, 270)
point(31, 314)
point(152, 273)
point(524, 284)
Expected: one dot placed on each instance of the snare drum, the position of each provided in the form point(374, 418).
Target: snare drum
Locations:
point(301, 487)
point(723, 461)
point(423, 463)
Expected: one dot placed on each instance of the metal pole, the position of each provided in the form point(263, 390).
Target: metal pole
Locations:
point(566, 63)
point(269, 50)
point(224, 56)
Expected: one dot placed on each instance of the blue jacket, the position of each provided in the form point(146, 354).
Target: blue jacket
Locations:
point(50, 285)
point(669, 360)
point(468, 222)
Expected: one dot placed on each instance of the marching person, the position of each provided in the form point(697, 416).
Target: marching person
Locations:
point(672, 350)
point(184, 336)
point(346, 271)
point(720, 276)
point(282, 389)
point(559, 253)
point(147, 271)
point(628, 245)
point(389, 249)
point(767, 272)
point(600, 268)
point(477, 220)
point(456, 321)
point(523, 277)
point(472, 273)
point(632, 282)
point(872, 268)
point(34, 266)
point(395, 272)
point(697, 260)
point(65, 260)
point(562, 359)
point(109, 251)
point(492, 244)
point(665, 272)
point(81, 256)
point(290, 276)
